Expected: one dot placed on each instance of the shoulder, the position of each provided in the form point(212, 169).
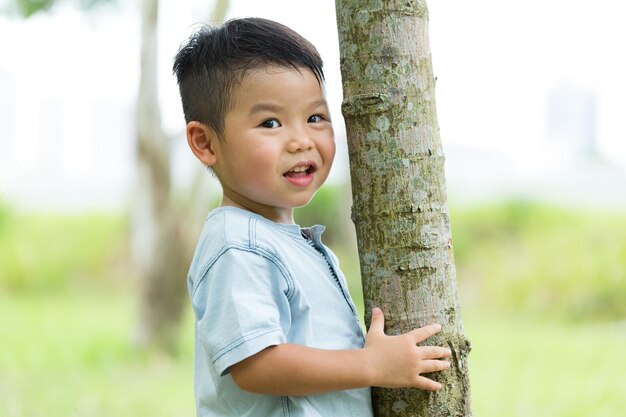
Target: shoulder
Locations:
point(233, 231)
point(234, 227)
point(225, 226)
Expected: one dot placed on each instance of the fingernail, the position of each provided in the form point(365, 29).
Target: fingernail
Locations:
point(376, 311)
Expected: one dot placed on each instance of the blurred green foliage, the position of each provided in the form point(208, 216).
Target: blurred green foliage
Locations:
point(514, 258)
point(44, 252)
point(27, 8)
point(542, 261)
point(329, 207)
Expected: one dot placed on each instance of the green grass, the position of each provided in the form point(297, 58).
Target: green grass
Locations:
point(65, 355)
point(534, 369)
point(72, 355)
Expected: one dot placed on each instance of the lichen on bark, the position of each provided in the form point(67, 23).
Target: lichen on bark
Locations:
point(399, 199)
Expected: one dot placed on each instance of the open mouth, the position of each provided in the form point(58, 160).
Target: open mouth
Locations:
point(300, 171)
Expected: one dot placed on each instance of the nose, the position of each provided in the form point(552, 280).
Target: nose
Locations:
point(299, 140)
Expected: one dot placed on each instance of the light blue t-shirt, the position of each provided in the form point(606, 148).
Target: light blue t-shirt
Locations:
point(253, 284)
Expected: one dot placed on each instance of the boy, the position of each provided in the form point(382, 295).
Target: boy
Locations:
point(277, 333)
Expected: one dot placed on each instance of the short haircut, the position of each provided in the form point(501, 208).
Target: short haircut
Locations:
point(213, 59)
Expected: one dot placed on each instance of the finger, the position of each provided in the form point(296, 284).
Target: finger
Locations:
point(434, 352)
point(427, 384)
point(425, 332)
point(434, 366)
point(378, 321)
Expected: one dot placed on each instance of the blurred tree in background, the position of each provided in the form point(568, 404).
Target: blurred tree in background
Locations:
point(162, 229)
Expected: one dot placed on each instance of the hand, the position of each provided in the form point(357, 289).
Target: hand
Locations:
point(397, 361)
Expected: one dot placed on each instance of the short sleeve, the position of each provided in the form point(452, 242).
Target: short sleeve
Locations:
point(241, 307)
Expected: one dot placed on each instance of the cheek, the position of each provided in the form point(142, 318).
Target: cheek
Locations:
point(328, 150)
point(260, 165)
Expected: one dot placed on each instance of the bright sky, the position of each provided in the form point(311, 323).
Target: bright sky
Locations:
point(495, 61)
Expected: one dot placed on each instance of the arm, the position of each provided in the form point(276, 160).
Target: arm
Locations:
point(386, 361)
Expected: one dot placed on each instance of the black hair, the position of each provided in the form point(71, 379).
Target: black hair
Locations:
point(213, 59)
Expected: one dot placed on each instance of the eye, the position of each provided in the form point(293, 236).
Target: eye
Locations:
point(316, 118)
point(270, 124)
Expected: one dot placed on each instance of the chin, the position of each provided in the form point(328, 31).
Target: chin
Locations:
point(302, 202)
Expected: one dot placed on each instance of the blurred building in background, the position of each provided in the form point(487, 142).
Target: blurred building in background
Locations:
point(571, 119)
point(64, 153)
point(67, 134)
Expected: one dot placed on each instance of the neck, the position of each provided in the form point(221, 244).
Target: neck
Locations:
point(277, 215)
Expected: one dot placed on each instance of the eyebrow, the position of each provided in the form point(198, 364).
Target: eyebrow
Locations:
point(318, 103)
point(260, 107)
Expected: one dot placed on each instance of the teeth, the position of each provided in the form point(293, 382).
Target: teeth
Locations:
point(302, 168)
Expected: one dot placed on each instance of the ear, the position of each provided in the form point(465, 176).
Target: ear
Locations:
point(202, 140)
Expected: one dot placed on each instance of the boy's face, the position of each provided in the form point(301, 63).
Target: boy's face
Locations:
point(278, 145)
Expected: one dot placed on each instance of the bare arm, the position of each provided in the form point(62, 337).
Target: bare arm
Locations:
point(386, 361)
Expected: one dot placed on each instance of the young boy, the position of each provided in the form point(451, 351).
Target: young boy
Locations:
point(277, 333)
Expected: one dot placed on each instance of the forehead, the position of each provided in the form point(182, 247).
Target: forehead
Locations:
point(272, 81)
point(268, 68)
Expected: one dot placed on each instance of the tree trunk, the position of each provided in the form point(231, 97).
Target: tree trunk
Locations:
point(399, 199)
point(162, 238)
point(157, 250)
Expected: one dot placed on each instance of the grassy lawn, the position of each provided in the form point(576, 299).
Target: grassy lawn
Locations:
point(70, 356)
point(65, 355)
point(546, 369)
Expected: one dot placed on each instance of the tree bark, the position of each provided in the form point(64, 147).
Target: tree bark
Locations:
point(162, 236)
point(157, 249)
point(399, 195)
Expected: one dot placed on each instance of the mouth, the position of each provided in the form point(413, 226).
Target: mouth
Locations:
point(301, 170)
